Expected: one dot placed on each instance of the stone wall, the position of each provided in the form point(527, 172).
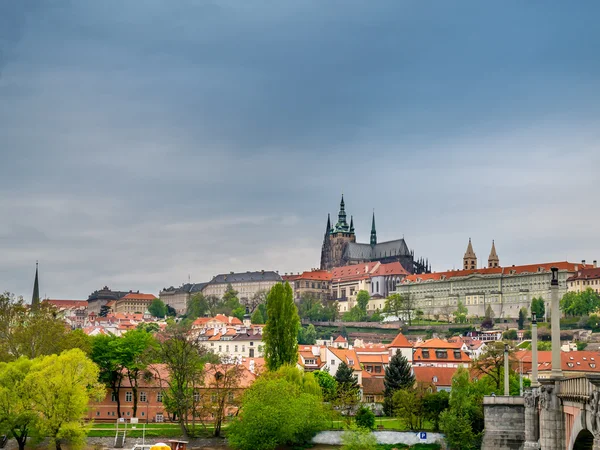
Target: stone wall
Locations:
point(383, 437)
point(504, 423)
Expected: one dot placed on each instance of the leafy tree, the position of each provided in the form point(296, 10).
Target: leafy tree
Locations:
point(158, 308)
point(398, 375)
point(308, 335)
point(488, 320)
point(538, 306)
point(419, 315)
point(278, 409)
point(362, 300)
point(409, 405)
point(257, 317)
point(580, 303)
point(259, 298)
point(446, 311)
point(106, 355)
point(280, 334)
point(400, 306)
point(355, 438)
point(365, 418)
point(197, 306)
point(510, 335)
point(521, 320)
point(491, 362)
point(17, 417)
point(230, 302)
point(328, 385)
point(356, 314)
point(433, 405)
point(222, 382)
point(184, 363)
point(314, 309)
point(104, 310)
point(134, 354)
point(376, 316)
point(460, 314)
point(61, 388)
point(171, 312)
point(151, 327)
point(347, 390)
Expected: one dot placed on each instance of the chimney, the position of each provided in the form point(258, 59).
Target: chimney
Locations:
point(595, 264)
point(583, 262)
point(576, 267)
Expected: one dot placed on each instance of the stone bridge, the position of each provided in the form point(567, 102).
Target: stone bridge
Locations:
point(559, 414)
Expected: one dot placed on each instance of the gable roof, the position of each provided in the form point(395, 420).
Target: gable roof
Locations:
point(400, 341)
point(356, 251)
point(438, 343)
point(138, 296)
point(438, 376)
point(263, 275)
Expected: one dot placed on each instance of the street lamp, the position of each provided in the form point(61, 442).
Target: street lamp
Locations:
point(506, 381)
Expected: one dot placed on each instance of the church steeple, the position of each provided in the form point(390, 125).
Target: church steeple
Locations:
point(35, 299)
point(328, 228)
point(342, 213)
point(373, 232)
point(493, 260)
point(351, 224)
point(470, 259)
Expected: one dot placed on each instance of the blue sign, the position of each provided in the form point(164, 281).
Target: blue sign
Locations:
point(423, 435)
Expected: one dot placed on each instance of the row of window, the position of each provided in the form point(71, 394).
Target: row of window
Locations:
point(143, 398)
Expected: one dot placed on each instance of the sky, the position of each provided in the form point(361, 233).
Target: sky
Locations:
point(143, 144)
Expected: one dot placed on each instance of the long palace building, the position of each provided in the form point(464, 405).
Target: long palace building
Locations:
point(505, 289)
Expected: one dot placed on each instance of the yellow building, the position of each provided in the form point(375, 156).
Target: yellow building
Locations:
point(585, 277)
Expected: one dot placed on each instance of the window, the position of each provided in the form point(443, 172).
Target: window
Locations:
point(160, 418)
point(230, 396)
point(369, 399)
point(333, 362)
point(441, 354)
point(97, 413)
point(227, 348)
point(377, 369)
point(220, 348)
point(196, 396)
point(143, 397)
point(456, 354)
point(425, 354)
point(142, 413)
point(128, 396)
point(159, 397)
point(113, 397)
point(435, 379)
point(310, 362)
point(236, 348)
point(243, 349)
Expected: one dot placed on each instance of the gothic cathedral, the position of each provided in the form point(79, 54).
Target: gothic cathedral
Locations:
point(340, 247)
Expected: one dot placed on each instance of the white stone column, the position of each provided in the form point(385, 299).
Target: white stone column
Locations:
point(534, 352)
point(506, 372)
point(532, 418)
point(556, 364)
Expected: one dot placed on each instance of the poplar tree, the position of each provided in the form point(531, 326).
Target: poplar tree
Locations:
point(280, 334)
point(398, 375)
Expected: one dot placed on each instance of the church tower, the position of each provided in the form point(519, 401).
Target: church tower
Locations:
point(470, 259)
point(336, 238)
point(35, 298)
point(493, 260)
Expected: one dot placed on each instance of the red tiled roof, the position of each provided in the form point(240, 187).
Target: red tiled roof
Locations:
point(138, 296)
point(586, 274)
point(372, 385)
point(346, 355)
point(580, 361)
point(394, 268)
point(354, 271)
point(320, 275)
point(289, 278)
point(438, 376)
point(340, 338)
point(419, 358)
point(370, 358)
point(66, 303)
point(400, 341)
point(509, 270)
point(438, 343)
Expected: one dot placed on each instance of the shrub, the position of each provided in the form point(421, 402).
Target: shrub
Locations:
point(358, 439)
point(365, 418)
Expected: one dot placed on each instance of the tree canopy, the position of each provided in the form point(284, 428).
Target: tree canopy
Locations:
point(157, 308)
point(538, 306)
point(398, 375)
point(580, 303)
point(280, 335)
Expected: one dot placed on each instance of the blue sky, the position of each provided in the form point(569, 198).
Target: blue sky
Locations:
point(142, 142)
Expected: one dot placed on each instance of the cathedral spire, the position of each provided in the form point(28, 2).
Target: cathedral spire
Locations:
point(351, 224)
point(35, 299)
point(373, 232)
point(328, 229)
point(470, 259)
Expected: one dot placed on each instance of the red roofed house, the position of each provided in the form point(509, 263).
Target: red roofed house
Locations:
point(340, 341)
point(440, 377)
point(134, 302)
point(374, 277)
point(439, 353)
point(332, 358)
point(315, 282)
point(584, 278)
point(401, 343)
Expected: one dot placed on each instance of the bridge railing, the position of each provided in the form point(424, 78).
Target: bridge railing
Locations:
point(579, 388)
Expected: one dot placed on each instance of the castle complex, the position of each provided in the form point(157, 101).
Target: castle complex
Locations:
point(340, 247)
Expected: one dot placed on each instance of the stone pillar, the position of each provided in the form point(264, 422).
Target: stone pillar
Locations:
point(534, 352)
point(556, 365)
point(532, 418)
point(504, 423)
point(552, 426)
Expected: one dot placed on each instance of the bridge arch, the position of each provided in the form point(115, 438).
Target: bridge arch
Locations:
point(584, 441)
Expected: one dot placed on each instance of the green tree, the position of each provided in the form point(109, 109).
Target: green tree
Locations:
point(398, 375)
point(356, 314)
point(17, 417)
point(230, 302)
point(280, 334)
point(362, 300)
point(347, 390)
point(409, 405)
point(328, 385)
point(134, 352)
point(158, 308)
point(308, 335)
point(433, 405)
point(521, 320)
point(61, 387)
point(278, 411)
point(184, 363)
point(491, 362)
point(257, 317)
point(538, 306)
point(365, 418)
point(106, 355)
point(197, 306)
point(460, 314)
point(510, 335)
point(393, 305)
